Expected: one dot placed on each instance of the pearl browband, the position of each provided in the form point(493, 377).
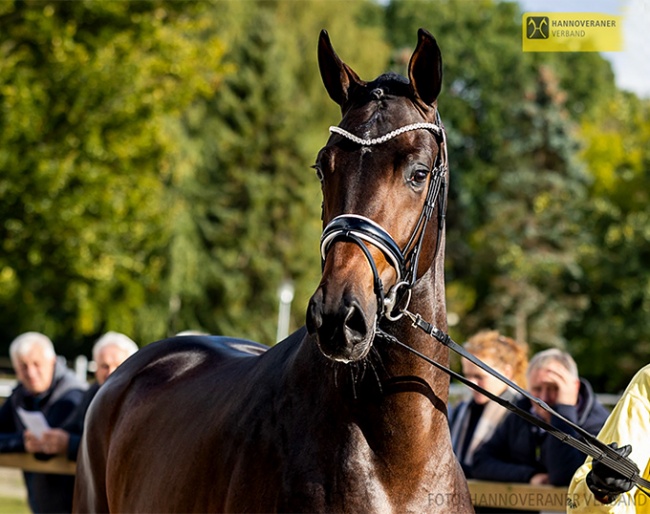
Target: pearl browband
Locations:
point(390, 135)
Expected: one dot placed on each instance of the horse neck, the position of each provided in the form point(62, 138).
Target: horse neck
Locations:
point(405, 403)
point(428, 301)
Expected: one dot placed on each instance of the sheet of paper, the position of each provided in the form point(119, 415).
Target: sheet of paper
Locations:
point(34, 421)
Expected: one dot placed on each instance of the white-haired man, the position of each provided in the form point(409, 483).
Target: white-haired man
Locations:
point(45, 384)
point(110, 350)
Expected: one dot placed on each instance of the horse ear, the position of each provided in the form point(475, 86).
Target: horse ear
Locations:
point(425, 68)
point(339, 79)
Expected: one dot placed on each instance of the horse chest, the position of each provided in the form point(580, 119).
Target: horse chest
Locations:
point(346, 477)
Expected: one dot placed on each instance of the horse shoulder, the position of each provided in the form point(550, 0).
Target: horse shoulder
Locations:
point(185, 400)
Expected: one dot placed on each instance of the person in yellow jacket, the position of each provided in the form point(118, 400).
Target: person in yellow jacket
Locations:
point(599, 489)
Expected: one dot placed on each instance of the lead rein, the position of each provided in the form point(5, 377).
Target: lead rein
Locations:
point(591, 446)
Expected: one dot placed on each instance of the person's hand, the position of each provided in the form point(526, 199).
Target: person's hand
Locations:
point(55, 441)
point(32, 443)
point(554, 385)
point(604, 482)
point(568, 386)
point(539, 479)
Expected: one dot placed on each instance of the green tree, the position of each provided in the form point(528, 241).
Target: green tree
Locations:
point(533, 231)
point(484, 75)
point(254, 203)
point(613, 335)
point(511, 238)
point(89, 92)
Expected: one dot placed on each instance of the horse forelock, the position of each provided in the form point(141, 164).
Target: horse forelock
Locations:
point(376, 94)
point(392, 83)
point(381, 106)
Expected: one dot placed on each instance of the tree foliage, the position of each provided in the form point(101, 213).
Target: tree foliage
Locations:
point(512, 245)
point(547, 229)
point(87, 92)
point(154, 171)
point(613, 335)
point(529, 241)
point(254, 202)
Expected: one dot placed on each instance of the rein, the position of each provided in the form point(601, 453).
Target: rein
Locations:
point(589, 445)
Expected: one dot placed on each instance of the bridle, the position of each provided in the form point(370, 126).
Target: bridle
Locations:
point(359, 229)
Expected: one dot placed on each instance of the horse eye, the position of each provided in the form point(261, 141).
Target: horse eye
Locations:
point(418, 176)
point(319, 172)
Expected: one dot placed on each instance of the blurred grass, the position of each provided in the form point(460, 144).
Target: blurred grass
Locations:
point(13, 506)
point(13, 496)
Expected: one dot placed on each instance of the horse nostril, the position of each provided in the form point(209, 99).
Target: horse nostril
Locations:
point(343, 331)
point(355, 324)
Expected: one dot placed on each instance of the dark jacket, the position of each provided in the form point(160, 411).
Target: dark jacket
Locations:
point(471, 425)
point(46, 492)
point(75, 425)
point(518, 449)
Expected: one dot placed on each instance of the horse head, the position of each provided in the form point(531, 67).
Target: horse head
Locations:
point(382, 170)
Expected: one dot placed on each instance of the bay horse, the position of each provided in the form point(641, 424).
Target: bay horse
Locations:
point(335, 418)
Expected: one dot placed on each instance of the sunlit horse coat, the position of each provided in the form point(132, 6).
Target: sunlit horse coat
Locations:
point(337, 417)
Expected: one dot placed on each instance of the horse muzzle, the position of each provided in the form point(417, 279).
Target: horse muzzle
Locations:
point(345, 310)
point(344, 329)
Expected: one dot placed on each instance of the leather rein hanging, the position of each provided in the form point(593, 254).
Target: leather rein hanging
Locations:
point(589, 445)
point(359, 229)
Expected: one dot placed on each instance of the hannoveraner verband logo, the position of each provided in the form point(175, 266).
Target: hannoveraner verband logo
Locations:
point(571, 32)
point(537, 27)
